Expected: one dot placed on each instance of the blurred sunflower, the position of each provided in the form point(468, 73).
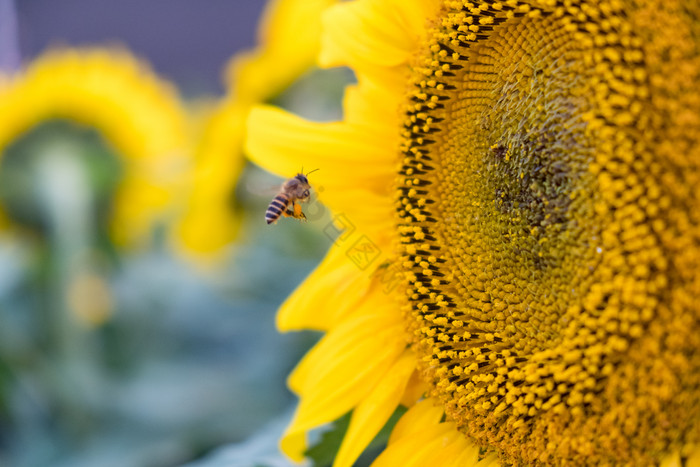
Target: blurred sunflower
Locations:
point(529, 169)
point(285, 51)
point(139, 114)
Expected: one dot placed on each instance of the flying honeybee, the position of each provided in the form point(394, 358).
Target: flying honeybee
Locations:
point(294, 191)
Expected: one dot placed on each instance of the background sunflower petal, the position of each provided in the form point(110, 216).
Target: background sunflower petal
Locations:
point(284, 52)
point(140, 115)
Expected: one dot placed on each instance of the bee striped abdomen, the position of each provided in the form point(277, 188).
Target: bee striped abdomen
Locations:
point(276, 208)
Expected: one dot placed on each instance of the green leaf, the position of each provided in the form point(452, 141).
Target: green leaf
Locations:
point(322, 453)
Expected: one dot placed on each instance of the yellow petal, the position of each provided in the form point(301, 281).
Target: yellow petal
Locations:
point(349, 354)
point(672, 460)
point(415, 389)
point(356, 281)
point(373, 412)
point(693, 457)
point(421, 425)
point(381, 33)
point(458, 451)
point(423, 414)
point(335, 275)
point(208, 221)
point(343, 155)
point(419, 449)
point(375, 110)
point(294, 445)
point(285, 51)
point(352, 290)
point(363, 31)
point(307, 365)
point(462, 451)
point(340, 371)
point(365, 211)
point(432, 445)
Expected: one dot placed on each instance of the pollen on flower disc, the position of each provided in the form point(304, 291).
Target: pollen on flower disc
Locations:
point(548, 211)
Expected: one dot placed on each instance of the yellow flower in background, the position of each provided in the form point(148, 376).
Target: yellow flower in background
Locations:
point(138, 113)
point(286, 49)
point(527, 173)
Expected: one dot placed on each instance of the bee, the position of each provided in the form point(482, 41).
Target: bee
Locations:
point(294, 191)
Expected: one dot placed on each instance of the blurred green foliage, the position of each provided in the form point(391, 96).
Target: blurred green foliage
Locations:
point(182, 362)
point(136, 357)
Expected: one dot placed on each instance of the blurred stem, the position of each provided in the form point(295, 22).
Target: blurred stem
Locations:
point(67, 200)
point(9, 37)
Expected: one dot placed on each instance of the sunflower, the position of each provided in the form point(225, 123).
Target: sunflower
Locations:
point(285, 51)
point(519, 266)
point(138, 114)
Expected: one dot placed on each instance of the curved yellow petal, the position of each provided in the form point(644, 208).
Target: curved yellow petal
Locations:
point(419, 449)
point(431, 445)
point(299, 377)
point(375, 111)
point(462, 451)
point(693, 457)
point(351, 288)
point(373, 37)
point(339, 356)
point(340, 371)
point(301, 309)
point(370, 37)
point(368, 212)
point(373, 412)
point(358, 32)
point(286, 50)
point(208, 221)
point(342, 154)
point(294, 445)
point(671, 460)
point(458, 451)
point(424, 413)
point(415, 389)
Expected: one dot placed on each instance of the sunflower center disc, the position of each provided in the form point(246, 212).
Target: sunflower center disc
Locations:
point(540, 213)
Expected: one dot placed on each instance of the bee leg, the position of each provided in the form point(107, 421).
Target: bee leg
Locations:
point(290, 213)
point(297, 213)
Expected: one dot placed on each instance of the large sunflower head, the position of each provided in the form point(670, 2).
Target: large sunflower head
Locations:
point(546, 227)
point(549, 227)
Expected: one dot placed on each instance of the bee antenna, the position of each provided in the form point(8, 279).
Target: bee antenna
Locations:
point(310, 172)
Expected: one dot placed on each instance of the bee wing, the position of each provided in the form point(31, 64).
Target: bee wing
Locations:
point(267, 191)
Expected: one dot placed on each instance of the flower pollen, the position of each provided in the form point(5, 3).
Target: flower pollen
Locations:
point(548, 213)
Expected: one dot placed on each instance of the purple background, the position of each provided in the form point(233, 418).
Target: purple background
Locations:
point(187, 41)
